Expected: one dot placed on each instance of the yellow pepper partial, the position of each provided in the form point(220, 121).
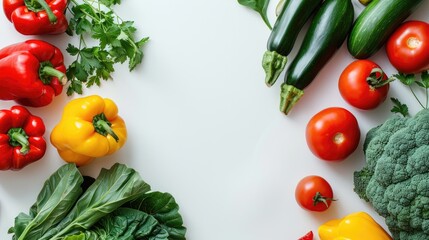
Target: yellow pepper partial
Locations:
point(89, 128)
point(355, 226)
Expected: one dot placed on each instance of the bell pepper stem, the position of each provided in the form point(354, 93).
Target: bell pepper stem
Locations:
point(103, 126)
point(18, 137)
point(108, 129)
point(44, 6)
point(52, 72)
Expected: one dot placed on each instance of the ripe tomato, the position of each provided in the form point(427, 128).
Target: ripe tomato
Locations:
point(357, 90)
point(333, 134)
point(314, 193)
point(408, 47)
point(308, 236)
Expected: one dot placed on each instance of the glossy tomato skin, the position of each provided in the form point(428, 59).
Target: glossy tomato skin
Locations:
point(311, 186)
point(308, 236)
point(408, 47)
point(355, 89)
point(333, 134)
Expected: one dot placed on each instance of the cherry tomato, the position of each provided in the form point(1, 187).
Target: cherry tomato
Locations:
point(314, 193)
point(308, 236)
point(363, 84)
point(408, 47)
point(333, 134)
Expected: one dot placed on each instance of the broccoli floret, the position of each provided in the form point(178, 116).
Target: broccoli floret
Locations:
point(395, 179)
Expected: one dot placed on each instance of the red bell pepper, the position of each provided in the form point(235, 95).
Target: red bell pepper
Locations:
point(21, 138)
point(32, 73)
point(36, 17)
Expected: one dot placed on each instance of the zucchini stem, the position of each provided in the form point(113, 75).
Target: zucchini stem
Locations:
point(273, 64)
point(289, 96)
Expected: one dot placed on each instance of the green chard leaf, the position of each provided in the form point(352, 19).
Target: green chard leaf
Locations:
point(54, 201)
point(259, 6)
point(166, 211)
point(125, 223)
point(111, 189)
point(115, 205)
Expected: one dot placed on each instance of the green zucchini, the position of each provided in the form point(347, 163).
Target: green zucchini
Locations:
point(376, 23)
point(292, 18)
point(327, 32)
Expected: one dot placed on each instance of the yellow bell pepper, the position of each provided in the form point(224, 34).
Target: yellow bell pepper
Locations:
point(89, 128)
point(355, 226)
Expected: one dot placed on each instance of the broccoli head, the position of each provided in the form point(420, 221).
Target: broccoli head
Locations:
point(395, 179)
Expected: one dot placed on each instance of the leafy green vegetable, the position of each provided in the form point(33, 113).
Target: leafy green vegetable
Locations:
point(123, 224)
point(115, 205)
point(56, 198)
point(110, 190)
point(422, 82)
point(399, 107)
point(259, 6)
point(165, 209)
point(116, 43)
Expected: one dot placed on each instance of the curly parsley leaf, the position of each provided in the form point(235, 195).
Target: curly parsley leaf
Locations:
point(406, 79)
point(96, 20)
point(109, 3)
point(399, 107)
point(424, 79)
point(422, 82)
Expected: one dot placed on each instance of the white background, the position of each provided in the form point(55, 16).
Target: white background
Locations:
point(203, 126)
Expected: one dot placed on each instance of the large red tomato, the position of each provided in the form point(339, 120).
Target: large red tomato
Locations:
point(333, 134)
point(363, 84)
point(408, 47)
point(314, 193)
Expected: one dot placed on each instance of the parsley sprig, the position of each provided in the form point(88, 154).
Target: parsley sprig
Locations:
point(96, 20)
point(422, 82)
point(410, 80)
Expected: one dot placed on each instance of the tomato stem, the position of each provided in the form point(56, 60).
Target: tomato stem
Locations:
point(375, 78)
point(318, 197)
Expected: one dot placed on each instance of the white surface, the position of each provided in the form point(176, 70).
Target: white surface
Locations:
point(204, 127)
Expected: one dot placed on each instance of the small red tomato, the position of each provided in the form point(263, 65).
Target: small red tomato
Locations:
point(308, 236)
point(314, 193)
point(408, 47)
point(363, 84)
point(333, 134)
